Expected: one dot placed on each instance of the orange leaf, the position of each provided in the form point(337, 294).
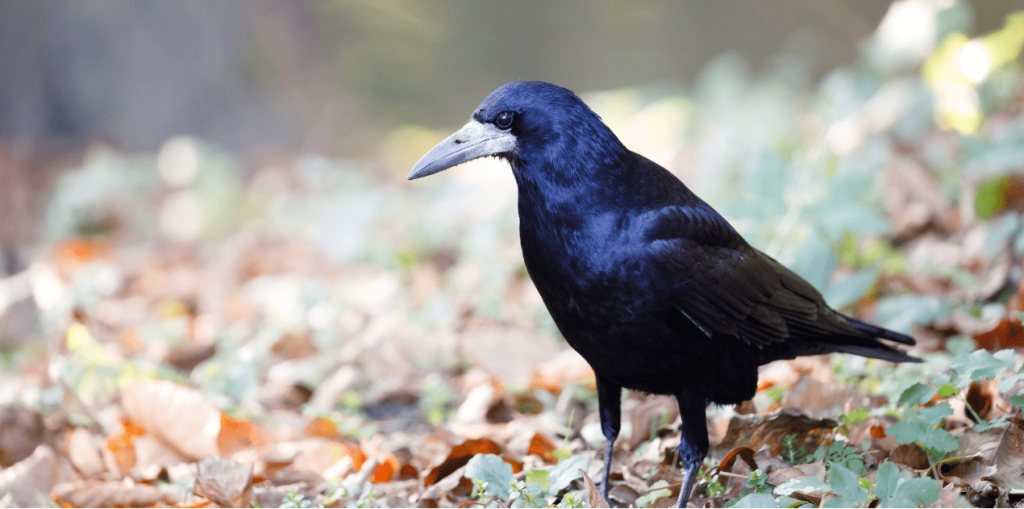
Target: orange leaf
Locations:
point(236, 434)
point(320, 427)
point(386, 470)
point(745, 453)
point(124, 452)
point(878, 432)
point(1005, 335)
point(407, 472)
point(459, 456)
point(541, 446)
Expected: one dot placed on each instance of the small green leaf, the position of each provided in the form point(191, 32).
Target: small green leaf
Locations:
point(1017, 400)
point(539, 476)
point(991, 197)
point(492, 470)
point(856, 416)
point(946, 391)
point(652, 496)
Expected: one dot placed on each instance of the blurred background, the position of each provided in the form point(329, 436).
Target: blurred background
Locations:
point(215, 190)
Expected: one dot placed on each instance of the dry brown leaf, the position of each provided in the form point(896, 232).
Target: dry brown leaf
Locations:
point(83, 451)
point(662, 408)
point(1009, 457)
point(224, 482)
point(594, 497)
point(771, 429)
point(1007, 334)
point(178, 415)
point(781, 475)
point(745, 453)
point(565, 368)
point(29, 481)
point(21, 431)
point(964, 471)
point(459, 456)
point(91, 493)
point(318, 455)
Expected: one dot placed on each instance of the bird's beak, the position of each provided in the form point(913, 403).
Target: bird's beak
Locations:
point(473, 141)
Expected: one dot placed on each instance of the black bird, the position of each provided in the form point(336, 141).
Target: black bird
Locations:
point(651, 285)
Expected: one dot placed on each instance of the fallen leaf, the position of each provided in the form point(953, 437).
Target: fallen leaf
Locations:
point(225, 482)
point(459, 456)
point(236, 435)
point(21, 431)
point(744, 453)
point(1009, 457)
point(772, 429)
point(387, 469)
point(541, 446)
point(84, 453)
point(964, 471)
point(594, 497)
point(319, 455)
point(91, 493)
point(178, 415)
point(323, 428)
point(565, 368)
point(29, 481)
point(1007, 334)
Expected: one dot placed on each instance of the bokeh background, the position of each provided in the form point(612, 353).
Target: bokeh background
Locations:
point(213, 192)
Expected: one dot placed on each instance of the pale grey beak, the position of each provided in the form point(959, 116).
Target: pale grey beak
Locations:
point(473, 141)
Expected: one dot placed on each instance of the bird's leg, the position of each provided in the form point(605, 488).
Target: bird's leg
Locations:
point(693, 443)
point(609, 399)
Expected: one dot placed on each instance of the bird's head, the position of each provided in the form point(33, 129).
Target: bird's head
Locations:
point(536, 126)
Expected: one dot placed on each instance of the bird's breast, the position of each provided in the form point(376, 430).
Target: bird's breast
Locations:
point(585, 269)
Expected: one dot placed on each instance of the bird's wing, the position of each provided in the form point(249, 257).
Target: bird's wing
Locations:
point(725, 286)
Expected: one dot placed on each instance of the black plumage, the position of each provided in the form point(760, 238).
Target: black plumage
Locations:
point(652, 286)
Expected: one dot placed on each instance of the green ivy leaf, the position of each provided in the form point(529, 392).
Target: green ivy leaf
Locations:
point(492, 470)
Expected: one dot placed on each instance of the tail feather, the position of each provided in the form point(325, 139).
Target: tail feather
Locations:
point(878, 351)
point(879, 332)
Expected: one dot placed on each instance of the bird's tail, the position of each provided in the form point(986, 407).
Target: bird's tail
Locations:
point(878, 332)
point(876, 351)
point(873, 348)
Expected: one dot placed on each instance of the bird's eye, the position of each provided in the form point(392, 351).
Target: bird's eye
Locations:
point(503, 120)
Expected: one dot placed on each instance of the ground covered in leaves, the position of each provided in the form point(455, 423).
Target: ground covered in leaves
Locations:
point(199, 331)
